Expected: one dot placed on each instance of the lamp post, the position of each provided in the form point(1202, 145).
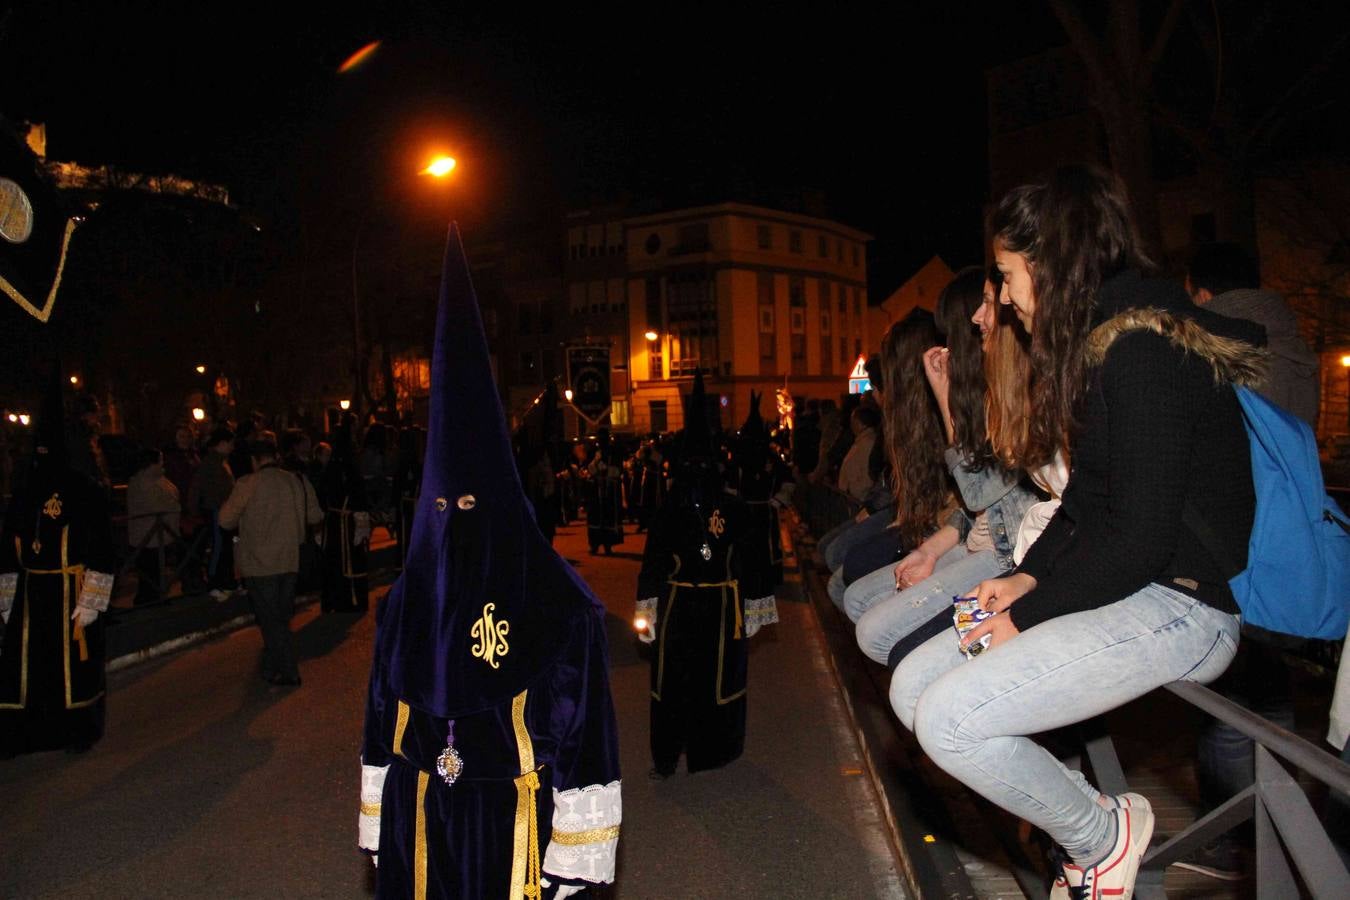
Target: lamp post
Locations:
point(439, 167)
point(1345, 364)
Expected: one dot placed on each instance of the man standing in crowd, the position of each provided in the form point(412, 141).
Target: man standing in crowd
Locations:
point(272, 509)
point(210, 487)
point(1224, 278)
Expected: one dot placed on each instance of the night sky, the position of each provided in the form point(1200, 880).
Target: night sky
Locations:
point(882, 111)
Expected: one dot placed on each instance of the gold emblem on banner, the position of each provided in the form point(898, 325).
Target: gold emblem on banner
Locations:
point(491, 637)
point(716, 524)
point(52, 508)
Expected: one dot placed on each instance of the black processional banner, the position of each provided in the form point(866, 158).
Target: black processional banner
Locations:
point(588, 374)
point(34, 232)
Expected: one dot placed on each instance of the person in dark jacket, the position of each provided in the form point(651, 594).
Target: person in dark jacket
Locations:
point(1226, 279)
point(1116, 597)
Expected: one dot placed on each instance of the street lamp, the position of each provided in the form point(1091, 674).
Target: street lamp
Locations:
point(344, 405)
point(198, 414)
point(13, 419)
point(24, 419)
point(75, 380)
point(568, 394)
point(439, 167)
point(201, 370)
point(651, 335)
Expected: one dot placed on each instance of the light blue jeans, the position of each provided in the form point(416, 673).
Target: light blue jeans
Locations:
point(972, 716)
point(885, 615)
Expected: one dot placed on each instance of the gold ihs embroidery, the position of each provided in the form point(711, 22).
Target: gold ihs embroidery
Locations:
point(716, 524)
point(491, 637)
point(52, 508)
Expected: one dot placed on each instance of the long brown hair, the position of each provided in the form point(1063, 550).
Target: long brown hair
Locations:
point(957, 303)
point(1007, 369)
point(914, 433)
point(1075, 230)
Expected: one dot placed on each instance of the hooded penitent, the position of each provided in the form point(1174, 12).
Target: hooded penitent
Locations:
point(489, 711)
point(55, 580)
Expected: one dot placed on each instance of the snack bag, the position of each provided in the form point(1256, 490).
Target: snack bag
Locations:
point(966, 614)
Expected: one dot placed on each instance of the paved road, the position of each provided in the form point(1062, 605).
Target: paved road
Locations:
point(212, 784)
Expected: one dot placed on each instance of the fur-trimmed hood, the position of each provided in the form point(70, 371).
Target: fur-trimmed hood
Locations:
point(1128, 301)
point(1232, 359)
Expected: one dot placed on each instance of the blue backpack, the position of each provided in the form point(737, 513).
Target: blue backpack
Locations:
point(1297, 579)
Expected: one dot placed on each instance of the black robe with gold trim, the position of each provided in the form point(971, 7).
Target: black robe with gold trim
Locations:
point(56, 546)
point(704, 612)
point(538, 799)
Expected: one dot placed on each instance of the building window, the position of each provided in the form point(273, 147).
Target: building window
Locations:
point(768, 353)
point(692, 239)
point(839, 292)
point(838, 250)
point(764, 235)
point(824, 294)
point(766, 320)
point(798, 354)
point(843, 351)
point(794, 242)
point(857, 303)
point(825, 367)
point(618, 412)
point(691, 313)
point(656, 410)
point(764, 288)
point(653, 296)
point(798, 321)
point(823, 247)
point(825, 321)
point(796, 291)
point(545, 317)
point(655, 361)
point(855, 255)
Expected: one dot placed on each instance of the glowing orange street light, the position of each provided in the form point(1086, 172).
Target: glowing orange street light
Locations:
point(651, 335)
point(345, 405)
point(359, 57)
point(1345, 361)
point(201, 370)
point(24, 419)
point(198, 414)
point(568, 394)
point(75, 380)
point(440, 167)
point(13, 419)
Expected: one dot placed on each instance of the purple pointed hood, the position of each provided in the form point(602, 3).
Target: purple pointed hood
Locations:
point(484, 604)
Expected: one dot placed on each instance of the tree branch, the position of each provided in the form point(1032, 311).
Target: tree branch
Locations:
point(1160, 42)
point(1085, 43)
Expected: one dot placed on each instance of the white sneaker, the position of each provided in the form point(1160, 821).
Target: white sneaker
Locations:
point(1059, 888)
point(1113, 877)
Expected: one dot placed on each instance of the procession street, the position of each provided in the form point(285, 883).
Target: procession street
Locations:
point(211, 783)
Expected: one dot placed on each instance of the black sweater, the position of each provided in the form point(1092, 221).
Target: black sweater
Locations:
point(1159, 428)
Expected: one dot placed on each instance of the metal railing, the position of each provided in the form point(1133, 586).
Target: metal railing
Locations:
point(189, 553)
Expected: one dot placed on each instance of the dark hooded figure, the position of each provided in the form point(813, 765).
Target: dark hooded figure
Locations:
point(535, 440)
point(604, 497)
point(56, 560)
point(700, 600)
point(346, 528)
point(760, 477)
point(490, 763)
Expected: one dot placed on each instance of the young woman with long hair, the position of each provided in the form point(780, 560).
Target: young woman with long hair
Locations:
point(977, 542)
point(1117, 597)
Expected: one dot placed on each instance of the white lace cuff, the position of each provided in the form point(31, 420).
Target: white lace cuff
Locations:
point(360, 527)
point(644, 620)
point(585, 839)
point(96, 590)
point(9, 586)
point(368, 824)
point(760, 611)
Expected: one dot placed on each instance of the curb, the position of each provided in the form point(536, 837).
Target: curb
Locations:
point(183, 641)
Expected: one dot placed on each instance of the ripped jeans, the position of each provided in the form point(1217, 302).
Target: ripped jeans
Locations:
point(972, 716)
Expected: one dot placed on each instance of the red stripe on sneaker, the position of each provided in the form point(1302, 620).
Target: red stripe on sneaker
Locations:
point(1124, 851)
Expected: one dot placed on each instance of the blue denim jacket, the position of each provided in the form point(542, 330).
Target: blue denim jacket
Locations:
point(996, 492)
